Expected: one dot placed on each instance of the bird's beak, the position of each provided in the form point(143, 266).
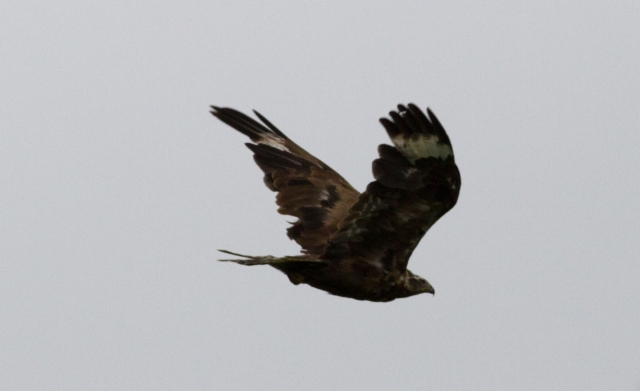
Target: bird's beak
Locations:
point(429, 289)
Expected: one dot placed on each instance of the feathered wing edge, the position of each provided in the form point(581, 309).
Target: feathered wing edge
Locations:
point(307, 188)
point(417, 182)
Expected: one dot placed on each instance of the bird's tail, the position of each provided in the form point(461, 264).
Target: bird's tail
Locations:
point(251, 260)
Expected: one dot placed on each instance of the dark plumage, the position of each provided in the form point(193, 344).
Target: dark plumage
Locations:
point(356, 245)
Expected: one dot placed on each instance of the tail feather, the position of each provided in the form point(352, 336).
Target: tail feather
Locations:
point(251, 260)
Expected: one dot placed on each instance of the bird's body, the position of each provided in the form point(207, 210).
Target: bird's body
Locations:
point(357, 245)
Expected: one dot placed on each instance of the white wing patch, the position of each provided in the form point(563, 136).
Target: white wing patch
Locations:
point(273, 141)
point(422, 147)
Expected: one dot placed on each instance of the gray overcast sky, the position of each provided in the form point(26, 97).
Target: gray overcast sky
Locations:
point(117, 187)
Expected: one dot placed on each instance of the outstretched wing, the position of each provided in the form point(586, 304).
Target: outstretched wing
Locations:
point(417, 182)
point(307, 188)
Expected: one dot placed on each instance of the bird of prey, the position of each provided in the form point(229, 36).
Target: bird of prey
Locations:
point(356, 245)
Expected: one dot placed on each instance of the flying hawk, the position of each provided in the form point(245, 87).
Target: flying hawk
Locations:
point(355, 244)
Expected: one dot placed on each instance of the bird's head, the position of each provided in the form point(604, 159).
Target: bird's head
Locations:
point(416, 285)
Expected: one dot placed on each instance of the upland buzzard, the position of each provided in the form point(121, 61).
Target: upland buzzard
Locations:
point(355, 244)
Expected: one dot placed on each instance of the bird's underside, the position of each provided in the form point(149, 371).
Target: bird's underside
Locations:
point(354, 244)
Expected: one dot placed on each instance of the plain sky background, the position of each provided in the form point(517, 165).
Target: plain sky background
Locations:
point(117, 187)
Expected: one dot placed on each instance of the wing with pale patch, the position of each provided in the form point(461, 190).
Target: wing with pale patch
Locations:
point(307, 188)
point(417, 182)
